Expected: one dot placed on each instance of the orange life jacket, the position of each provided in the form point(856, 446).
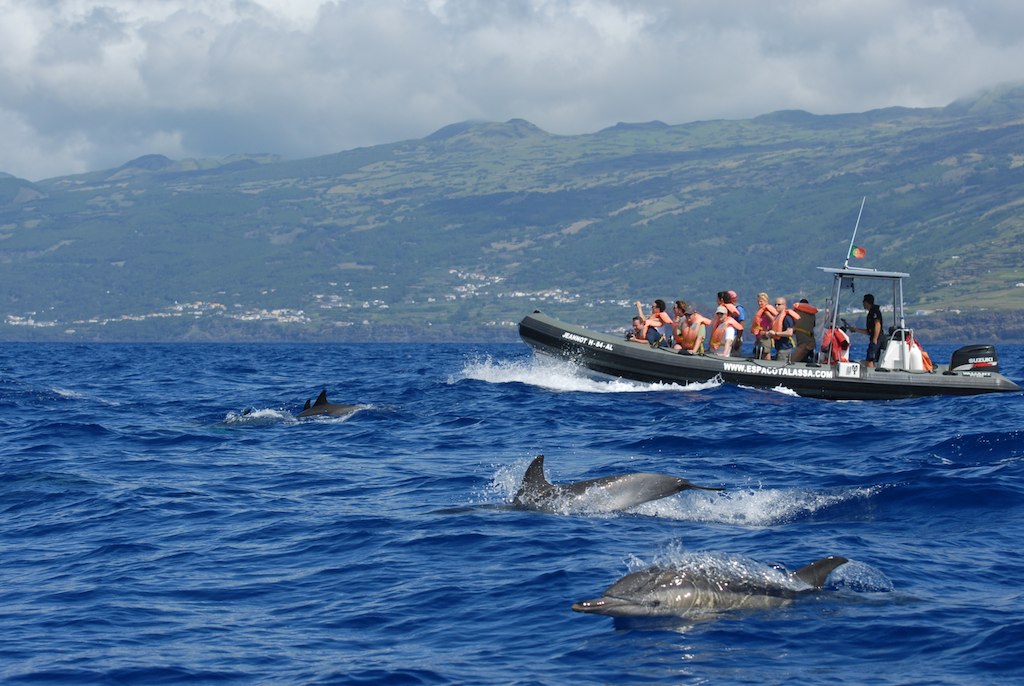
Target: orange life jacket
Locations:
point(718, 331)
point(926, 359)
point(806, 327)
point(763, 319)
point(662, 319)
point(781, 317)
point(837, 343)
point(805, 307)
point(688, 335)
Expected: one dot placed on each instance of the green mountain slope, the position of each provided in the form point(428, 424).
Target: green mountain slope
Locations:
point(459, 234)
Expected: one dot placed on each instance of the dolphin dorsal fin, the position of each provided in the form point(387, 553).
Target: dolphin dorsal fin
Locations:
point(815, 573)
point(321, 399)
point(534, 476)
point(533, 482)
point(306, 406)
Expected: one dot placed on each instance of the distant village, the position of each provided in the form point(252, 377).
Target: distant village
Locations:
point(470, 285)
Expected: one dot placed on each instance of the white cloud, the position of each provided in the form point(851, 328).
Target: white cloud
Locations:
point(87, 85)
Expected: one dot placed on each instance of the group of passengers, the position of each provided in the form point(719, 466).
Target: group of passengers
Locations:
point(780, 332)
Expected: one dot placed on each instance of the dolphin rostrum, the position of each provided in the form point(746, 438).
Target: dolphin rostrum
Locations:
point(694, 589)
point(322, 406)
point(605, 494)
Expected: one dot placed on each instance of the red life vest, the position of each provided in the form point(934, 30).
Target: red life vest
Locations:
point(837, 343)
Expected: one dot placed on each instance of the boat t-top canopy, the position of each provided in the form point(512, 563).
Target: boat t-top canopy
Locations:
point(861, 273)
point(844, 277)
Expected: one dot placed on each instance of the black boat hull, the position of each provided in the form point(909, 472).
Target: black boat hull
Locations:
point(615, 357)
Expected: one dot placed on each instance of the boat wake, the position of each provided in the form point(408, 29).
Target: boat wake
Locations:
point(561, 375)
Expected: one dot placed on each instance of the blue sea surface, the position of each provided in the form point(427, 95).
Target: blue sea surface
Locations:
point(165, 518)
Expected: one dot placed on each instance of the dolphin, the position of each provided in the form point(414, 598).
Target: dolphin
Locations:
point(322, 406)
point(605, 494)
point(686, 590)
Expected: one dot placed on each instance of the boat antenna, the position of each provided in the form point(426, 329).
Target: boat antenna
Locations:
point(854, 236)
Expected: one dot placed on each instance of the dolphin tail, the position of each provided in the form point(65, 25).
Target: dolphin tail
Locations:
point(815, 573)
point(533, 479)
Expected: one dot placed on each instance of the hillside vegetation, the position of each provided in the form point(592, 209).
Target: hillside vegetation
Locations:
point(459, 234)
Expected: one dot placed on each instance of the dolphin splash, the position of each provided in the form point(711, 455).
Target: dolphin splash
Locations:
point(322, 406)
point(604, 494)
point(693, 589)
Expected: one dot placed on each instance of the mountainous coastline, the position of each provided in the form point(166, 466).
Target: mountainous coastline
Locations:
point(457, 235)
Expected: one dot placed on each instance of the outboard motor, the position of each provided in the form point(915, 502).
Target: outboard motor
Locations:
point(975, 358)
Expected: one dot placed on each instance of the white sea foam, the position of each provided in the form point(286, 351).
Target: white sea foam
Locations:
point(67, 393)
point(256, 417)
point(753, 507)
point(78, 395)
point(562, 375)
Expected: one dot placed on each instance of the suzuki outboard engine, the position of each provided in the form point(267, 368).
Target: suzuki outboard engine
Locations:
point(975, 358)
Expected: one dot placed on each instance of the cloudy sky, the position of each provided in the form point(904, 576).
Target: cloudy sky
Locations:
point(90, 84)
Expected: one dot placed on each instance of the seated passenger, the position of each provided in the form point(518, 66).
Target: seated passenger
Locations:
point(740, 315)
point(636, 334)
point(693, 334)
point(657, 329)
point(723, 331)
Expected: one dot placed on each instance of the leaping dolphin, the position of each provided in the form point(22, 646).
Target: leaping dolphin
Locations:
point(322, 406)
point(697, 589)
point(605, 494)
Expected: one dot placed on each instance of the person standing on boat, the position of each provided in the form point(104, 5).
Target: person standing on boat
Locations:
point(803, 331)
point(658, 326)
point(781, 332)
point(873, 328)
point(762, 324)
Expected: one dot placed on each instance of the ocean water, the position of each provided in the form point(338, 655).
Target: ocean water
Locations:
point(164, 518)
